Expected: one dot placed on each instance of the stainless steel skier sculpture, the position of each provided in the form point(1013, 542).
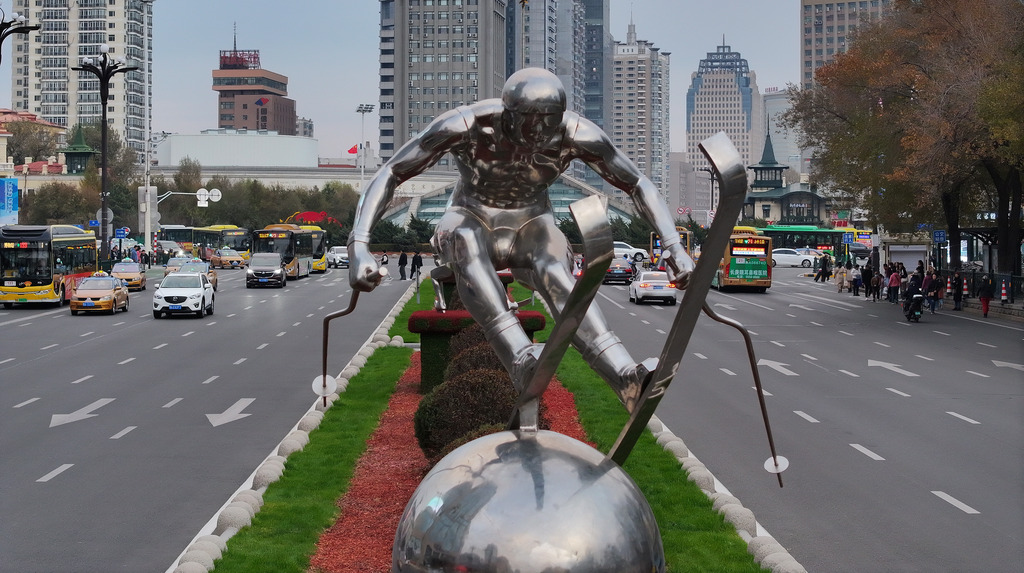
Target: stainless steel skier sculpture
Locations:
point(508, 152)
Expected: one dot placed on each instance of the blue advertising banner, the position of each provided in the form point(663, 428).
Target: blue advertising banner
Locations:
point(8, 201)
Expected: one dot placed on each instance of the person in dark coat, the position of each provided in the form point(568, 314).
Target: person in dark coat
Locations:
point(986, 293)
point(403, 261)
point(958, 290)
point(417, 264)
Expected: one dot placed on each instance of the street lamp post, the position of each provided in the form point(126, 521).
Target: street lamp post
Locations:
point(16, 25)
point(104, 69)
point(147, 238)
point(363, 109)
point(711, 182)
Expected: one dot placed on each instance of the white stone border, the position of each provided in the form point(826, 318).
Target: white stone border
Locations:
point(767, 552)
point(211, 541)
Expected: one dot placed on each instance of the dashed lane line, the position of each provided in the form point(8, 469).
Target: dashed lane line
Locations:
point(867, 452)
point(49, 347)
point(964, 418)
point(978, 374)
point(727, 371)
point(172, 403)
point(210, 379)
point(55, 473)
point(898, 393)
point(82, 379)
point(850, 374)
point(26, 402)
point(126, 361)
point(806, 416)
point(955, 502)
point(121, 434)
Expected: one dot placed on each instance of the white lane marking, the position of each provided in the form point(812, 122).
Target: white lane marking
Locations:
point(262, 346)
point(744, 301)
point(805, 416)
point(777, 343)
point(989, 345)
point(925, 358)
point(296, 324)
point(764, 392)
point(699, 355)
point(660, 331)
point(239, 361)
point(809, 357)
point(26, 402)
point(898, 393)
point(282, 333)
point(321, 308)
point(172, 402)
point(955, 502)
point(84, 335)
point(126, 361)
point(942, 333)
point(189, 333)
point(230, 315)
point(752, 333)
point(727, 371)
point(903, 324)
point(117, 323)
point(848, 373)
point(5, 361)
point(779, 367)
point(55, 473)
point(846, 333)
point(978, 374)
point(25, 324)
point(250, 306)
point(211, 323)
point(817, 323)
point(882, 344)
point(790, 315)
point(210, 379)
point(964, 418)
point(310, 315)
point(82, 379)
point(892, 367)
point(120, 434)
point(49, 347)
point(159, 346)
point(867, 452)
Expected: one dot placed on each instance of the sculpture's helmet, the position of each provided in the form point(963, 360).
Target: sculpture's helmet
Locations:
point(533, 90)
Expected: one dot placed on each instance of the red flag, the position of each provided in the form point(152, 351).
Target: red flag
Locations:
point(355, 149)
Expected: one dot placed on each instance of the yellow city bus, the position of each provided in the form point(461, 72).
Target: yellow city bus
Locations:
point(180, 234)
point(44, 263)
point(685, 236)
point(319, 247)
point(206, 240)
point(746, 264)
point(294, 243)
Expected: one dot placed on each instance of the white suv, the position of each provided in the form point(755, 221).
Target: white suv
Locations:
point(624, 249)
point(183, 293)
point(337, 257)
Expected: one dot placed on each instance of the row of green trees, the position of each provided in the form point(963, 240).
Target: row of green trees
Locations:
point(921, 122)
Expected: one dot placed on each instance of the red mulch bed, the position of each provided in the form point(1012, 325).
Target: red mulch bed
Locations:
point(387, 475)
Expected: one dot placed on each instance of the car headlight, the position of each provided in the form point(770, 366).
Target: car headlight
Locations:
point(250, 272)
point(278, 271)
point(194, 296)
point(106, 298)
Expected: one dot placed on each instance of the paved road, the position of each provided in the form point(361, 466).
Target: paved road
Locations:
point(122, 435)
point(905, 440)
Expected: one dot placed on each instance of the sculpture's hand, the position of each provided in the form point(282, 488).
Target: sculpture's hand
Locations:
point(364, 274)
point(680, 265)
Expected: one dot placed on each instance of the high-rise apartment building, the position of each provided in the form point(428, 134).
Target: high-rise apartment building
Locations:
point(436, 55)
point(723, 96)
point(43, 83)
point(250, 97)
point(826, 28)
point(639, 123)
point(599, 50)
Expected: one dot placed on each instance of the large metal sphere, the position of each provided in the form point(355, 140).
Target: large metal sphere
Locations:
point(532, 503)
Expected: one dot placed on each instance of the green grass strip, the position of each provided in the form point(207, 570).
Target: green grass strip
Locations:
point(303, 503)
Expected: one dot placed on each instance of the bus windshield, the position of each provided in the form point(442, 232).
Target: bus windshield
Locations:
point(274, 242)
point(26, 261)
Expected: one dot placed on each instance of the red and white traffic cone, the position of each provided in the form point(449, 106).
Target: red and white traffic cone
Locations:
point(966, 293)
point(1003, 298)
point(949, 286)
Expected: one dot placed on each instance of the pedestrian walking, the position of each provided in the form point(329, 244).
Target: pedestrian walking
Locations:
point(958, 290)
point(866, 274)
point(985, 294)
point(824, 268)
point(403, 261)
point(932, 291)
point(894, 287)
point(857, 279)
point(877, 282)
point(417, 264)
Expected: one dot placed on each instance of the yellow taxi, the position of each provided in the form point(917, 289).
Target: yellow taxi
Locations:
point(174, 263)
point(133, 273)
point(227, 258)
point(201, 267)
point(100, 293)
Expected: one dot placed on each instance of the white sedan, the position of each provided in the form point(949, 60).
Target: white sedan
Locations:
point(652, 285)
point(792, 258)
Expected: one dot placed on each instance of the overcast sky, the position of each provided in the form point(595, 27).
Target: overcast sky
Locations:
point(328, 51)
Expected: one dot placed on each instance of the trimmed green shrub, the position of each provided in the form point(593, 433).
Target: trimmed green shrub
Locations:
point(479, 356)
point(461, 405)
point(467, 337)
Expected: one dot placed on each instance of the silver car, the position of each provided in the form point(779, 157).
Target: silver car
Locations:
point(337, 257)
point(652, 285)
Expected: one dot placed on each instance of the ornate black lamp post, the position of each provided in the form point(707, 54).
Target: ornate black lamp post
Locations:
point(105, 69)
point(16, 25)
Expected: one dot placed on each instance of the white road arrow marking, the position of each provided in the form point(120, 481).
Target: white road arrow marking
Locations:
point(999, 364)
point(80, 414)
point(777, 366)
point(233, 413)
point(893, 367)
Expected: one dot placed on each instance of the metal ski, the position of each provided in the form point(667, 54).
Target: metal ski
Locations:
point(592, 221)
point(732, 178)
